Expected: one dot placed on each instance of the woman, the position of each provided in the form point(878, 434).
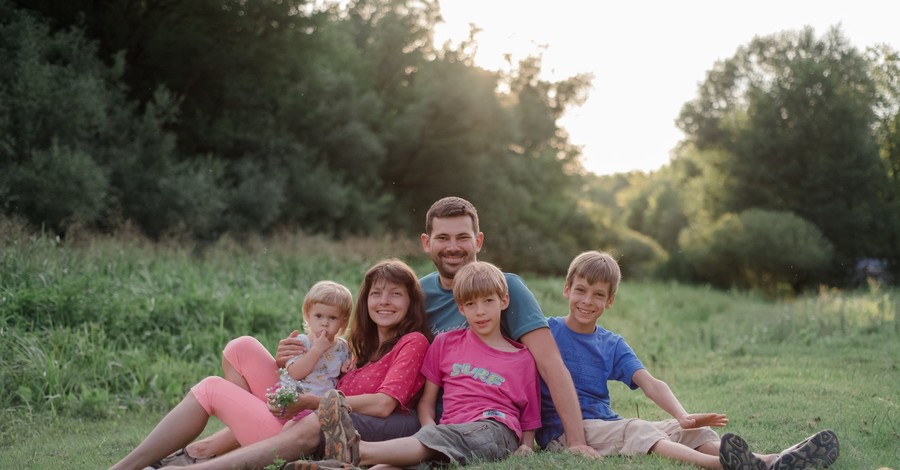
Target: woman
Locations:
point(389, 337)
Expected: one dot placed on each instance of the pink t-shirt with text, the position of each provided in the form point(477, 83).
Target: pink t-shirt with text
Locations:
point(481, 382)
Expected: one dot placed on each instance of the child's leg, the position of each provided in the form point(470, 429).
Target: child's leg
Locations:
point(249, 365)
point(182, 425)
point(682, 453)
point(401, 452)
point(247, 416)
point(702, 439)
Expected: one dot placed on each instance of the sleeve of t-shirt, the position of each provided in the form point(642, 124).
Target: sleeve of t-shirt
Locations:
point(524, 314)
point(431, 365)
point(625, 365)
point(403, 381)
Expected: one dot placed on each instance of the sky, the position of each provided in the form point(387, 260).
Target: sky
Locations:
point(647, 57)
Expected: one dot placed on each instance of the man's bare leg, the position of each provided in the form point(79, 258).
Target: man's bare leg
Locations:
point(401, 452)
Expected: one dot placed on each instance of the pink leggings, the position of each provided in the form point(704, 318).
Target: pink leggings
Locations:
point(244, 412)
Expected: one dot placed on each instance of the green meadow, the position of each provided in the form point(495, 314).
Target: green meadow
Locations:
point(99, 337)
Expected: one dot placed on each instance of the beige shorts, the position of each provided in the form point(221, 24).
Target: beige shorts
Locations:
point(636, 436)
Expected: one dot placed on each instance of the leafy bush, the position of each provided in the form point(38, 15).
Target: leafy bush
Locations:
point(58, 187)
point(757, 249)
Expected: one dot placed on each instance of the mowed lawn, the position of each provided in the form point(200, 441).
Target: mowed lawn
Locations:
point(780, 369)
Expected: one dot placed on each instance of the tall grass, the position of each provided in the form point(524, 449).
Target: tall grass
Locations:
point(113, 331)
point(99, 326)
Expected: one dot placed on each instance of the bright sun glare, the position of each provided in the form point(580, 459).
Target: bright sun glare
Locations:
point(647, 58)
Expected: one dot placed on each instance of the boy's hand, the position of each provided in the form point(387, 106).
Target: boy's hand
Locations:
point(698, 420)
point(288, 348)
point(321, 343)
point(347, 366)
point(584, 451)
point(524, 450)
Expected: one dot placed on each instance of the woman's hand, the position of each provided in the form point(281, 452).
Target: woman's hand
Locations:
point(348, 365)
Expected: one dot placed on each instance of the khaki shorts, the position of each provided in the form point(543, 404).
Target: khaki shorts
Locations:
point(636, 436)
point(482, 441)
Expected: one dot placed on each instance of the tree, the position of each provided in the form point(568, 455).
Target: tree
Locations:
point(784, 125)
point(757, 249)
point(886, 73)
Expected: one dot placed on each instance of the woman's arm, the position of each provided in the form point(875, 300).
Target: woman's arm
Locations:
point(378, 405)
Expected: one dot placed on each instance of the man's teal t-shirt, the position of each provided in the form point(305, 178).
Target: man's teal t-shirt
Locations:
point(522, 316)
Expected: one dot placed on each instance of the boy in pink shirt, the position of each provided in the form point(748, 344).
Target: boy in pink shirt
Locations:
point(491, 401)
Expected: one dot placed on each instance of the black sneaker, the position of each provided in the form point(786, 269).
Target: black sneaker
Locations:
point(734, 454)
point(817, 451)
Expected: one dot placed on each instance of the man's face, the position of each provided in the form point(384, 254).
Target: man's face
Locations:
point(452, 244)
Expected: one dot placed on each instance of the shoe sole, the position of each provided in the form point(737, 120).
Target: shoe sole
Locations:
point(317, 465)
point(818, 451)
point(341, 438)
point(734, 454)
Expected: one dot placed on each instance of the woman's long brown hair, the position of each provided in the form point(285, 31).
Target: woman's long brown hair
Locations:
point(364, 332)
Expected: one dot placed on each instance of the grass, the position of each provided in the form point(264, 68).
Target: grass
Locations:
point(100, 336)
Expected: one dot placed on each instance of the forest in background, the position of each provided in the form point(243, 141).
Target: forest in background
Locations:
point(252, 117)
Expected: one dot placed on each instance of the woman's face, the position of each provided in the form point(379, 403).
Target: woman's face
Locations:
point(388, 305)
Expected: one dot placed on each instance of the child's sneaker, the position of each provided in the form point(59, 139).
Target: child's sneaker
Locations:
point(341, 438)
point(318, 465)
point(817, 451)
point(734, 454)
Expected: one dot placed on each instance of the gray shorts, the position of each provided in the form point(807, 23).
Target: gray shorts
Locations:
point(483, 441)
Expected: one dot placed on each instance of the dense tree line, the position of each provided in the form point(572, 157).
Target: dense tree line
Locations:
point(787, 175)
point(214, 116)
point(207, 117)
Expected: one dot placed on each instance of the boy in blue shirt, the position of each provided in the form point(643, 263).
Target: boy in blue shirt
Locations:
point(594, 355)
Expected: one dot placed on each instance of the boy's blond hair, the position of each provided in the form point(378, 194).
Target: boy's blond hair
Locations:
point(329, 293)
point(478, 279)
point(595, 267)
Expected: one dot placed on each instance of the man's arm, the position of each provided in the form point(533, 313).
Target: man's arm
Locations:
point(289, 347)
point(562, 390)
point(662, 395)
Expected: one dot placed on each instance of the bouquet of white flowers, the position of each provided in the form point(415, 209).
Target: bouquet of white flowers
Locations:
point(285, 393)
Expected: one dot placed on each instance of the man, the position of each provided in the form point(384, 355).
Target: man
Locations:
point(452, 239)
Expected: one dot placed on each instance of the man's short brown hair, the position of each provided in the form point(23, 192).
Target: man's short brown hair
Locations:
point(451, 206)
